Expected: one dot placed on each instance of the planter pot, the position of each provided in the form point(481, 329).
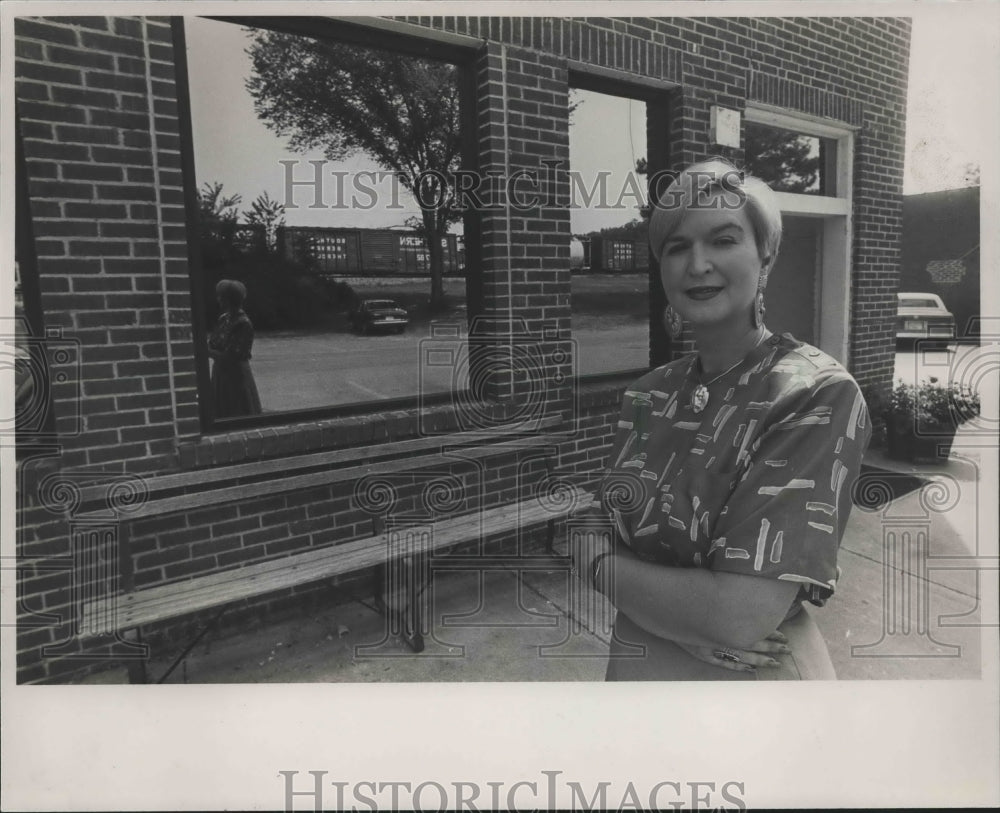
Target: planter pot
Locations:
point(903, 444)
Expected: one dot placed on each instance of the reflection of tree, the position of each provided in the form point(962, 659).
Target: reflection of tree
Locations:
point(215, 207)
point(635, 229)
point(401, 111)
point(781, 157)
point(269, 216)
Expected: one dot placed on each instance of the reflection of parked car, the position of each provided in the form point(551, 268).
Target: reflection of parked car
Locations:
point(923, 316)
point(379, 314)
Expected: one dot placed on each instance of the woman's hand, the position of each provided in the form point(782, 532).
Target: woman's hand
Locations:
point(756, 656)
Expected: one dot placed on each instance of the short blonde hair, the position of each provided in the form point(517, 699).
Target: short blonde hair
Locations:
point(693, 187)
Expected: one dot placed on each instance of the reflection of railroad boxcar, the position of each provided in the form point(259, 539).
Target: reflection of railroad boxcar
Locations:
point(369, 252)
point(617, 255)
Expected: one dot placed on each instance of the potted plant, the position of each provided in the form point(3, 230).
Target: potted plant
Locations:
point(921, 419)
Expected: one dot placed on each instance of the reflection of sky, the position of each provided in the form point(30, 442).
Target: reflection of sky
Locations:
point(945, 129)
point(607, 134)
point(234, 147)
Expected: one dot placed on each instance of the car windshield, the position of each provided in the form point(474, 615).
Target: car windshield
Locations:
point(913, 302)
point(380, 303)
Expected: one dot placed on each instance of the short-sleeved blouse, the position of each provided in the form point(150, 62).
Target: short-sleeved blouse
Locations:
point(758, 483)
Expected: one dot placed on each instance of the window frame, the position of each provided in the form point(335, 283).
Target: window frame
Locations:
point(834, 317)
point(26, 257)
point(362, 31)
point(655, 93)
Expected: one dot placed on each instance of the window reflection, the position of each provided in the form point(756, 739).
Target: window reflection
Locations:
point(609, 254)
point(307, 156)
point(791, 161)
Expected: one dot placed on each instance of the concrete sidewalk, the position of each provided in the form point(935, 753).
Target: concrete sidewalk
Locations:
point(907, 603)
point(895, 614)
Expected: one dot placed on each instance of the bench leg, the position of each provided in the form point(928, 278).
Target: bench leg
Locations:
point(403, 578)
point(187, 650)
point(413, 618)
point(136, 666)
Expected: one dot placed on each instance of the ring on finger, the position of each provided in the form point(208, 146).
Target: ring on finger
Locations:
point(727, 655)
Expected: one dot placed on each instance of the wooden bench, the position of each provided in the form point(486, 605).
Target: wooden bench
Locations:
point(401, 555)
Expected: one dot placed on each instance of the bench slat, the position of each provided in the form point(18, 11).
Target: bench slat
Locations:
point(168, 505)
point(353, 555)
point(338, 457)
point(204, 592)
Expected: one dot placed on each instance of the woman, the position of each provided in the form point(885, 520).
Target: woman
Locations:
point(729, 482)
point(229, 347)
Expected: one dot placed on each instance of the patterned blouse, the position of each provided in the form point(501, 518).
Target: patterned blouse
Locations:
point(758, 483)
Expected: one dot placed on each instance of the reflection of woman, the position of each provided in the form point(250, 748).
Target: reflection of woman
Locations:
point(729, 482)
point(229, 346)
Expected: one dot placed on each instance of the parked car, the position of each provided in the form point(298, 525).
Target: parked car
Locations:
point(923, 316)
point(379, 314)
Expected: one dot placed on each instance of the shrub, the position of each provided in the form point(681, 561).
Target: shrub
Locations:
point(929, 407)
point(282, 293)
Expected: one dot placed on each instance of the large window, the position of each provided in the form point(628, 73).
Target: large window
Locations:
point(309, 144)
point(609, 254)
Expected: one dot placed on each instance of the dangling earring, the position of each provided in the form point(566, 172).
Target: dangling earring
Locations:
point(757, 314)
point(758, 309)
point(673, 322)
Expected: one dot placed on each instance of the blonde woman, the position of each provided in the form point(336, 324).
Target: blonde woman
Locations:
point(729, 482)
point(229, 347)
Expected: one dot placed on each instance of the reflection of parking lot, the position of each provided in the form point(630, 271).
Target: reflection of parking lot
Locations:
point(307, 370)
point(314, 370)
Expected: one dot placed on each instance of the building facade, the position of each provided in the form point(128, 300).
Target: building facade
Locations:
point(940, 253)
point(106, 257)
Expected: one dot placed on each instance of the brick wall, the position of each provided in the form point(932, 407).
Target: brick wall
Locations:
point(97, 103)
point(98, 106)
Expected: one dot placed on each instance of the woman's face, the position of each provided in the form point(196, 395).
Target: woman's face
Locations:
point(710, 266)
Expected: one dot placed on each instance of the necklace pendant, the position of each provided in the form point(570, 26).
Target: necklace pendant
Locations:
point(699, 398)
